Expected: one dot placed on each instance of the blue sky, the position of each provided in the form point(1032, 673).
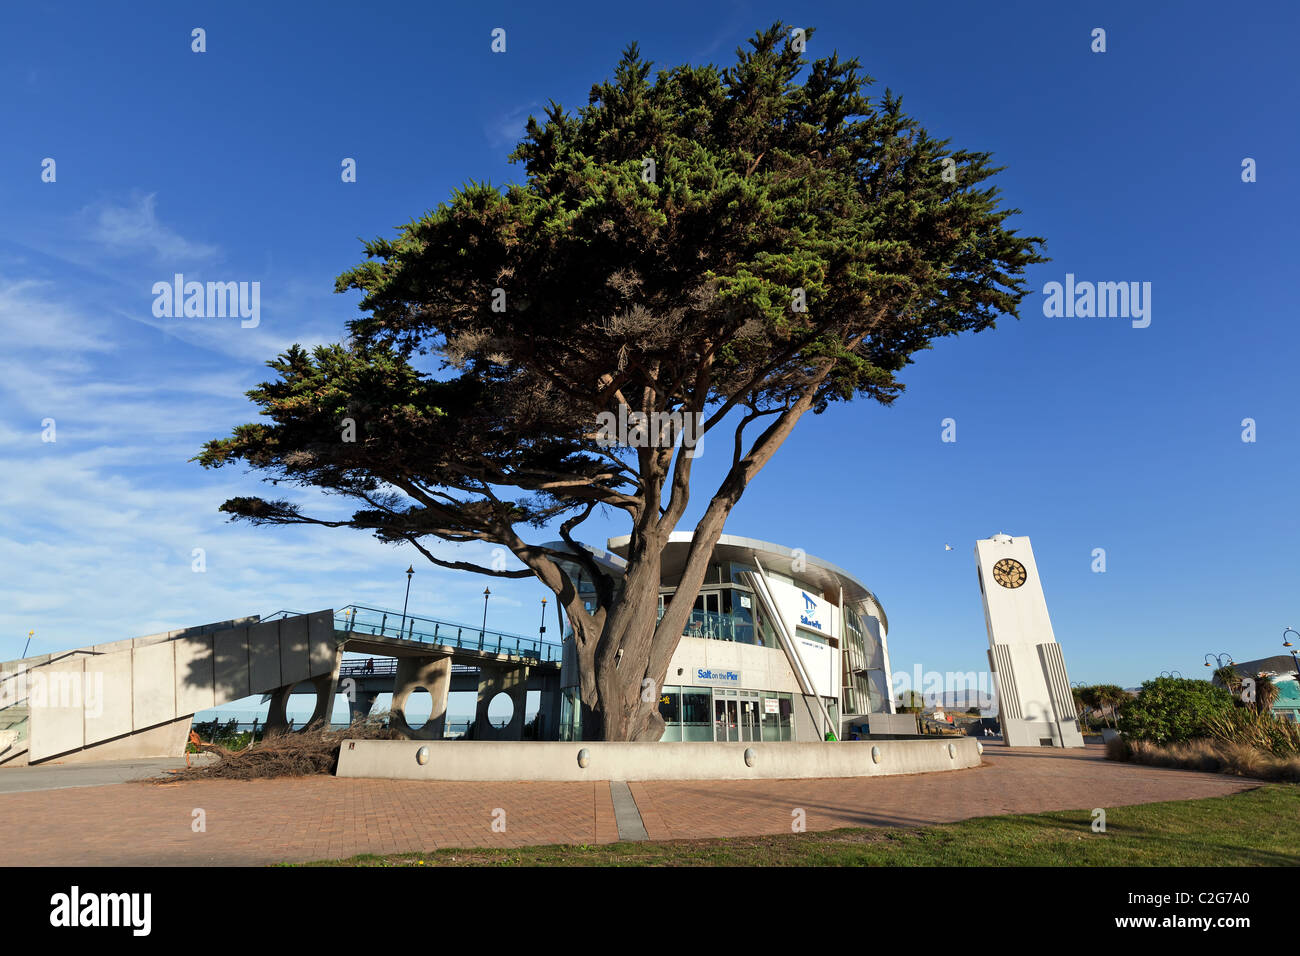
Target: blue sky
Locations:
point(1082, 433)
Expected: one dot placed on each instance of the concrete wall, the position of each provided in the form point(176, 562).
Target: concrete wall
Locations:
point(134, 698)
point(760, 668)
point(809, 720)
point(892, 724)
point(165, 740)
point(528, 760)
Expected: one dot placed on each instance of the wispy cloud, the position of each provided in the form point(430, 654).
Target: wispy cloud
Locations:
point(134, 227)
point(98, 529)
point(736, 33)
point(507, 129)
point(30, 319)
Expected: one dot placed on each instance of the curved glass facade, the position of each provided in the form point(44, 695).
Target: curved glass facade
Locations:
point(833, 673)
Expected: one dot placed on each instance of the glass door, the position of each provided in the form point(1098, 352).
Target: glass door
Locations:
point(750, 720)
point(725, 723)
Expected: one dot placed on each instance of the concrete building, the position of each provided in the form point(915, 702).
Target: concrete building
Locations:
point(1282, 668)
point(1035, 703)
point(780, 645)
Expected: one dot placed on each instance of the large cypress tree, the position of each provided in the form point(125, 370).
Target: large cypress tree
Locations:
point(745, 245)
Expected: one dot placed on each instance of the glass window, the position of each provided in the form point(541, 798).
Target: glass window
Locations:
point(697, 716)
point(725, 614)
point(570, 714)
point(771, 722)
point(850, 701)
point(738, 608)
point(765, 631)
point(670, 705)
point(737, 569)
point(811, 635)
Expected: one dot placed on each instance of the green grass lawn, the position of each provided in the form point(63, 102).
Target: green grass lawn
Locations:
point(1256, 828)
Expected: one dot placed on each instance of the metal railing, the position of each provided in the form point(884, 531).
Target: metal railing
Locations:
point(717, 626)
point(383, 667)
point(379, 622)
point(276, 615)
point(387, 667)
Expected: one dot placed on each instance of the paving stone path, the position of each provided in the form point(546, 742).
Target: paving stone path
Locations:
point(315, 818)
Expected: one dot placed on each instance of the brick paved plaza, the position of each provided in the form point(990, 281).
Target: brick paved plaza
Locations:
point(314, 818)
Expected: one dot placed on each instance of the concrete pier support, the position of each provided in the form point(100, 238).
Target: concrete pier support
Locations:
point(361, 704)
point(325, 687)
point(498, 680)
point(277, 717)
point(432, 674)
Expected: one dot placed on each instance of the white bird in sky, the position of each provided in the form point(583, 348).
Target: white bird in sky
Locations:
point(947, 547)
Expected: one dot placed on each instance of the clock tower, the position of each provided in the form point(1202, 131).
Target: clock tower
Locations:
point(1035, 703)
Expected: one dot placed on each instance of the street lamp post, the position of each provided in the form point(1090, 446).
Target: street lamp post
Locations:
point(541, 630)
point(487, 593)
point(1177, 674)
point(1291, 645)
point(1218, 665)
point(410, 571)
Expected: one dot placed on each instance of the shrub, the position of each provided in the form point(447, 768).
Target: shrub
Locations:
point(1173, 709)
point(1257, 729)
point(1207, 756)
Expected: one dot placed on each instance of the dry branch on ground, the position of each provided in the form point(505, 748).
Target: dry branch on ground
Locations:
point(314, 750)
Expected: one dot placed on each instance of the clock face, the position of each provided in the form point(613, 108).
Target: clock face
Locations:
point(1009, 573)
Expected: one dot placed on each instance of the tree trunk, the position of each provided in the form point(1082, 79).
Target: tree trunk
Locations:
point(628, 696)
point(627, 685)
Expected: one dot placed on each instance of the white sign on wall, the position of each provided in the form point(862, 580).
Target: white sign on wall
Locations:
point(820, 662)
point(802, 608)
point(810, 615)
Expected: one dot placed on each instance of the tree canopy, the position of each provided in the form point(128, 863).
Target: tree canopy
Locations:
point(737, 245)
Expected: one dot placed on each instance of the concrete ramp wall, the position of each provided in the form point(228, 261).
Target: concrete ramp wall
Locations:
point(136, 697)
